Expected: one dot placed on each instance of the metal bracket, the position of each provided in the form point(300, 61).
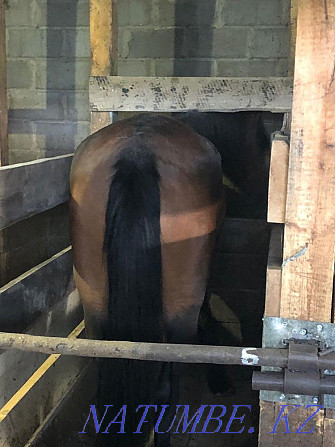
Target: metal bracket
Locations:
point(304, 381)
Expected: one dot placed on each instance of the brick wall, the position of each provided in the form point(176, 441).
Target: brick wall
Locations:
point(204, 38)
point(48, 56)
point(48, 70)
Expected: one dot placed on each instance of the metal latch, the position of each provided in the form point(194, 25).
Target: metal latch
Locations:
point(304, 381)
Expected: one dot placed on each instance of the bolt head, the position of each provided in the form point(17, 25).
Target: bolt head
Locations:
point(319, 327)
point(303, 332)
point(315, 400)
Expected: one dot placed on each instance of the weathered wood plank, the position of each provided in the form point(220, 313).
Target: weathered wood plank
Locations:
point(278, 180)
point(307, 280)
point(269, 414)
point(3, 89)
point(307, 273)
point(34, 292)
point(30, 188)
point(99, 120)
point(30, 410)
point(104, 49)
point(152, 94)
point(101, 37)
point(63, 423)
point(17, 366)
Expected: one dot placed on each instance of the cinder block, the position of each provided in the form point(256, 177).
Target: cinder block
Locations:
point(20, 13)
point(186, 12)
point(77, 43)
point(77, 106)
point(136, 67)
point(83, 131)
point(20, 73)
point(22, 142)
point(151, 43)
point(36, 104)
point(25, 42)
point(65, 74)
point(21, 156)
point(230, 42)
point(134, 12)
point(184, 67)
point(62, 13)
point(270, 43)
point(194, 42)
point(59, 137)
point(22, 126)
point(252, 68)
point(255, 12)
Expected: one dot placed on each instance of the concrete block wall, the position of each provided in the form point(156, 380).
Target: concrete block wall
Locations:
point(48, 63)
point(204, 38)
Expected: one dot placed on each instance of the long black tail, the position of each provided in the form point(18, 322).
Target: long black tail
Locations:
point(133, 248)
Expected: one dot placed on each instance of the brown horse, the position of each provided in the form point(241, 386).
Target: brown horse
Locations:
point(146, 199)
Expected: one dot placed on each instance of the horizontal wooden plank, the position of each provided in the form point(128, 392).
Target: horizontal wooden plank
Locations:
point(162, 94)
point(69, 416)
point(17, 366)
point(30, 188)
point(32, 293)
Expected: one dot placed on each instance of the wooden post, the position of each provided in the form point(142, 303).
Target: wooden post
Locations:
point(309, 240)
point(3, 89)
point(104, 49)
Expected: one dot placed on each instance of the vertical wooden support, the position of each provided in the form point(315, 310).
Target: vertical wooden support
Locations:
point(293, 28)
point(104, 48)
point(307, 280)
point(3, 89)
point(309, 239)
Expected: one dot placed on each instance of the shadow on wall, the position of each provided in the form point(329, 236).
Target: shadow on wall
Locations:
point(49, 44)
point(193, 44)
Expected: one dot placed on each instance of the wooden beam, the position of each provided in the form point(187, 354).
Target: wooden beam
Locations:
point(307, 280)
point(32, 293)
point(30, 188)
point(101, 37)
point(104, 49)
point(3, 89)
point(116, 93)
point(309, 239)
point(278, 179)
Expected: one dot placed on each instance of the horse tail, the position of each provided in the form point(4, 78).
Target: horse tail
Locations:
point(133, 248)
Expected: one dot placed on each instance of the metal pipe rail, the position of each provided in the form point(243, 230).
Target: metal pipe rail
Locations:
point(228, 355)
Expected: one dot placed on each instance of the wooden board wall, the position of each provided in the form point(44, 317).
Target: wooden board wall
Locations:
point(309, 239)
point(3, 89)
point(30, 188)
